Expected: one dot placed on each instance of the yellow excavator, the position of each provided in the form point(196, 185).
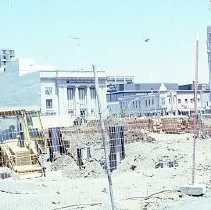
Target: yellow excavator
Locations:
point(21, 141)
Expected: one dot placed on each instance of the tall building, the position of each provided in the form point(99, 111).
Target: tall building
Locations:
point(6, 56)
point(209, 55)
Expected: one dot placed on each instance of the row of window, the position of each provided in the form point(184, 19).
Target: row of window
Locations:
point(186, 100)
point(137, 103)
point(82, 94)
point(71, 93)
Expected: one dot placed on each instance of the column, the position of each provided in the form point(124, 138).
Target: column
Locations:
point(62, 97)
point(60, 100)
point(65, 102)
point(77, 103)
point(88, 100)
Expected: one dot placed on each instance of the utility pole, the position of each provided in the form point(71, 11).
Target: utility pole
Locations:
point(103, 133)
point(195, 110)
point(209, 52)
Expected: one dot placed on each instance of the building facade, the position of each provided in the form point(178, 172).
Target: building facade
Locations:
point(185, 101)
point(157, 99)
point(71, 93)
point(6, 55)
point(122, 90)
point(160, 102)
point(140, 105)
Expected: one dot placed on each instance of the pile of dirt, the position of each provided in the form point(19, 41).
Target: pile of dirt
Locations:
point(70, 169)
point(137, 135)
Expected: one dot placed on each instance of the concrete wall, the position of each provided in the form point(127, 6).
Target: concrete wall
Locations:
point(56, 121)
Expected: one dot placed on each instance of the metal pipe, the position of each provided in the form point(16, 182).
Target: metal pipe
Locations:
point(103, 132)
point(195, 110)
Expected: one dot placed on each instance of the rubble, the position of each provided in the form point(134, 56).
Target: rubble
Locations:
point(136, 181)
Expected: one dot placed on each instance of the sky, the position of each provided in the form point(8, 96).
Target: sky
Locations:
point(111, 34)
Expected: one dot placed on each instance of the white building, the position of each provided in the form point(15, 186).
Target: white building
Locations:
point(159, 103)
point(26, 84)
point(71, 92)
point(143, 104)
point(167, 98)
point(185, 99)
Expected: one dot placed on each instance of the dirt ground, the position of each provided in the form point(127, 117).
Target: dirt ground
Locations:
point(137, 183)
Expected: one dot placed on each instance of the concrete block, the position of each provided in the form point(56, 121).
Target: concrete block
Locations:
point(193, 190)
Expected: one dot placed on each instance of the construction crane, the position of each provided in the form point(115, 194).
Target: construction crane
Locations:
point(21, 140)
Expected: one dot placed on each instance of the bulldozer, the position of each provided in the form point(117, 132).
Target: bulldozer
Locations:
point(21, 141)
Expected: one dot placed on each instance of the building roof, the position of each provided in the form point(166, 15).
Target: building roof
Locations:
point(148, 86)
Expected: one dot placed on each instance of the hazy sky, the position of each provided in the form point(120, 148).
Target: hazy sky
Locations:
point(74, 34)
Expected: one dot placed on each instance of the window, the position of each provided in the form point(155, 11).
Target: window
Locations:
point(179, 101)
point(70, 96)
point(71, 112)
point(186, 100)
point(191, 100)
point(70, 93)
point(152, 102)
point(93, 93)
point(49, 103)
point(82, 95)
point(145, 102)
point(48, 91)
point(163, 101)
point(82, 113)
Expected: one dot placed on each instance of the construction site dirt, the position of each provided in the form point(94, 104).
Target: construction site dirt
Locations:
point(149, 177)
